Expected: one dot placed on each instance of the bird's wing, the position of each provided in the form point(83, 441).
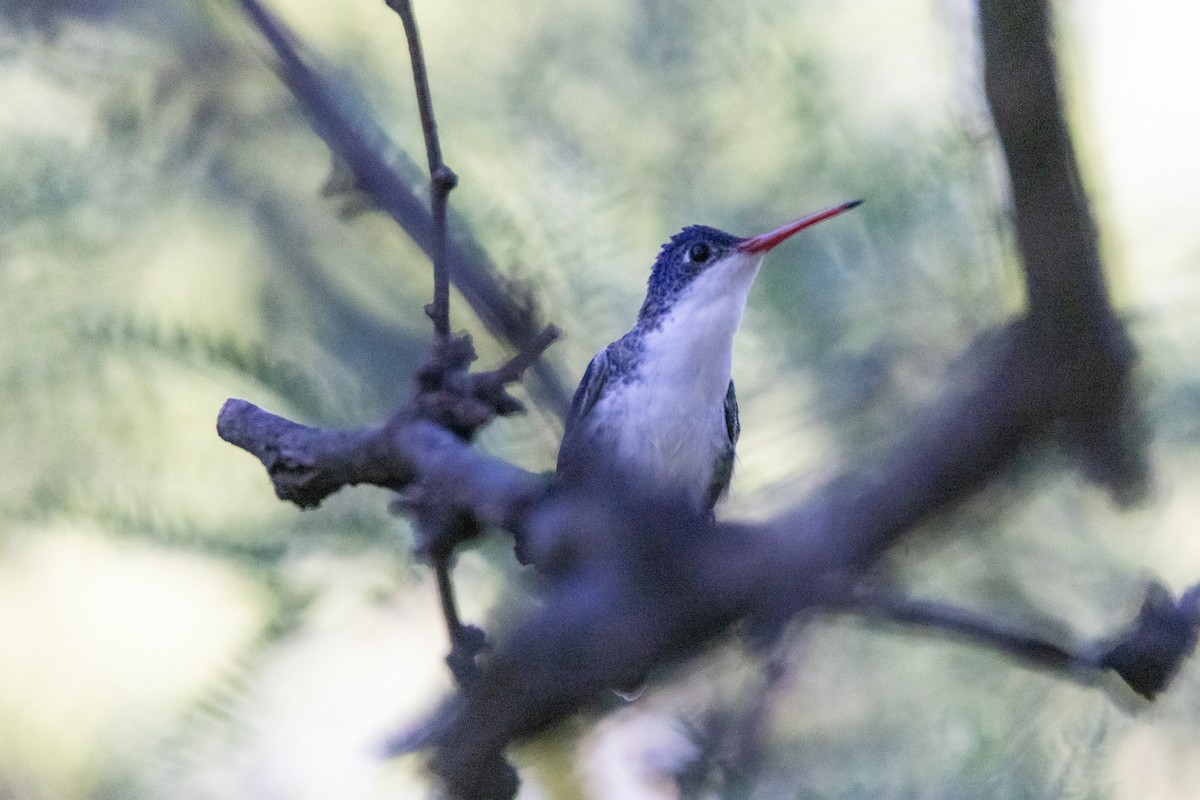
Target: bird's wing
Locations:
point(732, 425)
point(595, 378)
point(723, 473)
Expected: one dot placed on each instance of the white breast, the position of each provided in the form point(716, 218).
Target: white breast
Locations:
point(670, 419)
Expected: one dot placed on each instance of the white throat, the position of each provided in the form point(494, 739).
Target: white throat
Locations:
point(691, 348)
point(672, 418)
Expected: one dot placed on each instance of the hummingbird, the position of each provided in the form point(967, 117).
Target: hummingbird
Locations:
point(660, 400)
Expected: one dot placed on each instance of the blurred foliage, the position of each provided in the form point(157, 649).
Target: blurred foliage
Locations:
point(170, 629)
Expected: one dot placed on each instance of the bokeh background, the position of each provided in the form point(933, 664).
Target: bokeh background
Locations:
point(168, 629)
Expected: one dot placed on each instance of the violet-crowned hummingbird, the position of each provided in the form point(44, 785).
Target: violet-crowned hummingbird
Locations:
point(660, 400)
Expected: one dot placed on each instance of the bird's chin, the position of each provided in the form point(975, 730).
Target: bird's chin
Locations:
point(744, 262)
point(725, 284)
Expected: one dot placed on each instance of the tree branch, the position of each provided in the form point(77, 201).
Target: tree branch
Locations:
point(361, 143)
point(1055, 232)
point(1071, 319)
point(1145, 656)
point(637, 582)
point(441, 178)
point(307, 464)
point(634, 579)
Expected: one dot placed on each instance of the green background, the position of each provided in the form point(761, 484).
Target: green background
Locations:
point(169, 629)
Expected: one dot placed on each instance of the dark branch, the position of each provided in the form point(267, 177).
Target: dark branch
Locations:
point(306, 465)
point(463, 402)
point(441, 178)
point(360, 143)
point(514, 368)
point(1071, 318)
point(467, 642)
point(448, 394)
point(433, 148)
point(1055, 231)
point(1163, 635)
point(636, 582)
point(1026, 646)
point(1145, 657)
point(1000, 398)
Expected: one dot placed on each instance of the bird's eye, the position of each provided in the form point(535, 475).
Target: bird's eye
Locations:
point(699, 252)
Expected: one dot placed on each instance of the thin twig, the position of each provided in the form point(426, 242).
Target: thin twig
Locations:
point(441, 178)
point(466, 641)
point(958, 623)
point(441, 181)
point(512, 370)
point(446, 595)
point(359, 141)
point(1146, 655)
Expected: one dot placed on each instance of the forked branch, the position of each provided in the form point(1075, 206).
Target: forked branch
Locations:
point(360, 143)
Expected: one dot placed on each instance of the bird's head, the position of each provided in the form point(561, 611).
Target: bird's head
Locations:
point(706, 263)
